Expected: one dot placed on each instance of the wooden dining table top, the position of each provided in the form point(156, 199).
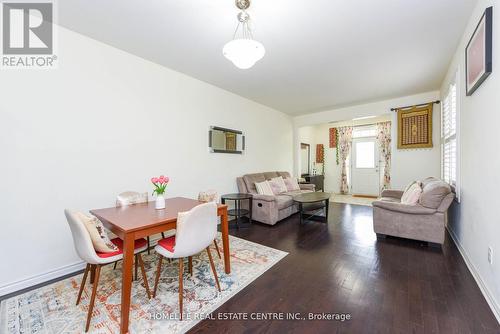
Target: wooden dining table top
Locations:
point(144, 215)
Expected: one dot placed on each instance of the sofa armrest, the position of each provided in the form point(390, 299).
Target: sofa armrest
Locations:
point(392, 193)
point(445, 204)
point(404, 208)
point(307, 186)
point(266, 198)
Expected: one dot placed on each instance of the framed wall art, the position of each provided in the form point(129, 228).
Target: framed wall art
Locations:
point(478, 53)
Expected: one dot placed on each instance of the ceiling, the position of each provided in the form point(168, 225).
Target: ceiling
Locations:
point(320, 54)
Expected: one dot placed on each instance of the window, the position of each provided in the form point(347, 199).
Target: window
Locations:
point(364, 131)
point(365, 154)
point(449, 137)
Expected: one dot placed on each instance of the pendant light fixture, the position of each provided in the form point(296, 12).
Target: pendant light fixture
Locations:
point(243, 50)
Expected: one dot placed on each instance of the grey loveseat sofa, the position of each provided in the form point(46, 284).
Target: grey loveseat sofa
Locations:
point(270, 209)
point(424, 221)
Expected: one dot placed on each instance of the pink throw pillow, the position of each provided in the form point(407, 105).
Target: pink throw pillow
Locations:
point(412, 194)
point(291, 184)
point(275, 187)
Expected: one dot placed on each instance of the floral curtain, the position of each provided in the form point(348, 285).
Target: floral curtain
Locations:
point(384, 142)
point(345, 143)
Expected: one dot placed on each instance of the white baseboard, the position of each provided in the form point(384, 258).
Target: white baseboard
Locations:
point(494, 306)
point(41, 278)
point(49, 275)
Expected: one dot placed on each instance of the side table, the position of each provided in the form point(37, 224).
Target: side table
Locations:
point(238, 212)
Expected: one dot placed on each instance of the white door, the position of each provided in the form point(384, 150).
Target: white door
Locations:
point(365, 177)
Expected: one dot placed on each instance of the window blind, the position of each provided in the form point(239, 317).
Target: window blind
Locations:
point(449, 136)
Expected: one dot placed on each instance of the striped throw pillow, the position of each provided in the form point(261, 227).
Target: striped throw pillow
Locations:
point(263, 188)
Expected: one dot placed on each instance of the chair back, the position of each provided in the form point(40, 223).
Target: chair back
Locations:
point(131, 197)
point(196, 229)
point(208, 196)
point(81, 238)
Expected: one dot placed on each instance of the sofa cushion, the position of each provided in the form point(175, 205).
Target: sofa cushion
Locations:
point(284, 201)
point(264, 188)
point(433, 193)
point(284, 174)
point(270, 175)
point(390, 199)
point(428, 180)
point(292, 184)
point(278, 185)
point(250, 180)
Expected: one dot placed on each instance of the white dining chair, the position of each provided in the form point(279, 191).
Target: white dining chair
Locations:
point(210, 196)
point(95, 260)
point(196, 230)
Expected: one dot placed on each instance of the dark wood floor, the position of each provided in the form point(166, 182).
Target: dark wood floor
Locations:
point(388, 286)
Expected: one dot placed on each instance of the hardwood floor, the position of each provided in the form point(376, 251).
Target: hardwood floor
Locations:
point(388, 286)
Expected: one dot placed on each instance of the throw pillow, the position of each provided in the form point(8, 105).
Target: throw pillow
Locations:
point(279, 183)
point(409, 185)
point(208, 196)
point(275, 187)
point(412, 194)
point(97, 232)
point(263, 188)
point(291, 184)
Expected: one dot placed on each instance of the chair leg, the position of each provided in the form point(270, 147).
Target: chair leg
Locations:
point(82, 286)
point(190, 265)
point(158, 271)
point(92, 298)
point(217, 248)
point(92, 273)
point(114, 267)
point(144, 277)
point(136, 265)
point(213, 268)
point(163, 235)
point(149, 245)
point(181, 286)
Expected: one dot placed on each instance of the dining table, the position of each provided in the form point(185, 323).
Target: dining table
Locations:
point(138, 221)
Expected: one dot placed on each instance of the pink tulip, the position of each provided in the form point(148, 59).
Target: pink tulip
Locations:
point(154, 180)
point(167, 179)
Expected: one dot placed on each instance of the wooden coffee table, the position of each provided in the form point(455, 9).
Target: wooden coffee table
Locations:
point(311, 203)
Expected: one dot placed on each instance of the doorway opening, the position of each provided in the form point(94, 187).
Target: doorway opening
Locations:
point(365, 162)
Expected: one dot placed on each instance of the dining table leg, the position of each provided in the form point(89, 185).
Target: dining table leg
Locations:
point(128, 260)
point(225, 240)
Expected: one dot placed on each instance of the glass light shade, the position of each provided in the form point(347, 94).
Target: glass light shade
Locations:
point(244, 52)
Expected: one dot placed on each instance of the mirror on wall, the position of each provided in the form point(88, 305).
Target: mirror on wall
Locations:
point(305, 158)
point(222, 140)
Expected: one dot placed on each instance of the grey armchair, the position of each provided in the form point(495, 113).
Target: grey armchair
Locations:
point(424, 221)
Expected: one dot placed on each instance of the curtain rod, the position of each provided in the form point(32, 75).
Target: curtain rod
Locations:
point(417, 105)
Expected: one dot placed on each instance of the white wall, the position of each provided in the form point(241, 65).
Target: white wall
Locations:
point(307, 135)
point(102, 123)
point(474, 222)
point(407, 165)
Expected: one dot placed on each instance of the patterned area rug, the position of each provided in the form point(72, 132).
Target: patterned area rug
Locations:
point(51, 309)
point(349, 199)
